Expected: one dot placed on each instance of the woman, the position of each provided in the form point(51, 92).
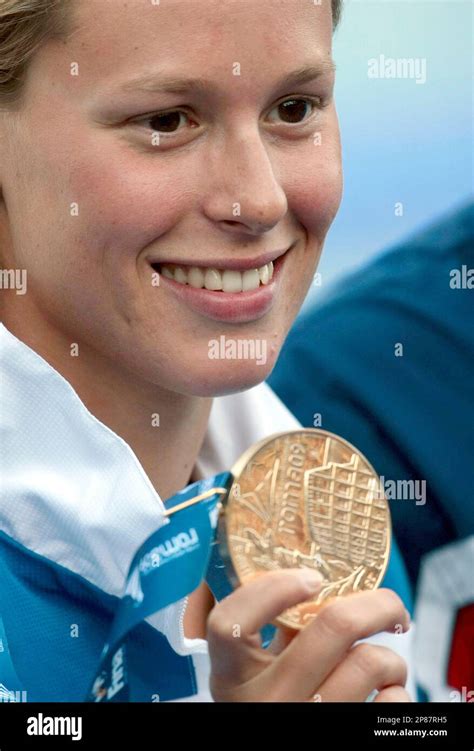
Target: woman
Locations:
point(166, 182)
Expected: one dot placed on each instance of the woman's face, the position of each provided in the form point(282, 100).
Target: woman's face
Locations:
point(98, 184)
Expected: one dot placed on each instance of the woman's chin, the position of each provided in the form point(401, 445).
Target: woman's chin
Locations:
point(223, 377)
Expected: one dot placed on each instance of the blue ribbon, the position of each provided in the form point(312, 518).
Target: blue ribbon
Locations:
point(11, 688)
point(169, 565)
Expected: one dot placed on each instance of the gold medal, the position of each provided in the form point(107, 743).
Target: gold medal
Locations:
point(306, 498)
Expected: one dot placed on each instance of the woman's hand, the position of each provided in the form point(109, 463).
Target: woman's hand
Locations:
point(318, 663)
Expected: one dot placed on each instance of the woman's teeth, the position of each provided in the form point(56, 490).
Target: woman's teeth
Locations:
point(214, 279)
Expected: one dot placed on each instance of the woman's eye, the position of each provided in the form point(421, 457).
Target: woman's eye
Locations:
point(291, 111)
point(294, 110)
point(166, 123)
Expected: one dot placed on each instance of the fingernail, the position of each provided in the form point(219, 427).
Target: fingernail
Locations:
point(311, 579)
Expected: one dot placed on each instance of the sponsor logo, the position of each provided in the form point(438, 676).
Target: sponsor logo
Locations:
point(174, 547)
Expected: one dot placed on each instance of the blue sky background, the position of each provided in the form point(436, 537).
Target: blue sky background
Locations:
point(402, 141)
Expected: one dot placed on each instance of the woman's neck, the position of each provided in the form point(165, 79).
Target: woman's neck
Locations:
point(165, 430)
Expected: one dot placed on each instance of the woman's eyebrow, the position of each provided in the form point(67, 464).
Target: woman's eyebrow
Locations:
point(153, 83)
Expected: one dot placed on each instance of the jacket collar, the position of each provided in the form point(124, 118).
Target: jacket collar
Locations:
point(73, 490)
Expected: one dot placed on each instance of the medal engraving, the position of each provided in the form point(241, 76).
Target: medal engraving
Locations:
point(306, 498)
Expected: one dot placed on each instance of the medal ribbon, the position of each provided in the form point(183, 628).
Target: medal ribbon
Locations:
point(11, 688)
point(169, 565)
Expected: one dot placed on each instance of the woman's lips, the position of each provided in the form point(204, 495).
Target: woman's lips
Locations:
point(231, 307)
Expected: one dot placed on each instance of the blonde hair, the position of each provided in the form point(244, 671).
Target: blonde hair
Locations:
point(27, 24)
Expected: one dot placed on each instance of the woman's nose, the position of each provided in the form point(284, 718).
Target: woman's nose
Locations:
point(243, 190)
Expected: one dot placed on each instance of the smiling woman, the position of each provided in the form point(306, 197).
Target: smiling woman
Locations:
point(154, 215)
